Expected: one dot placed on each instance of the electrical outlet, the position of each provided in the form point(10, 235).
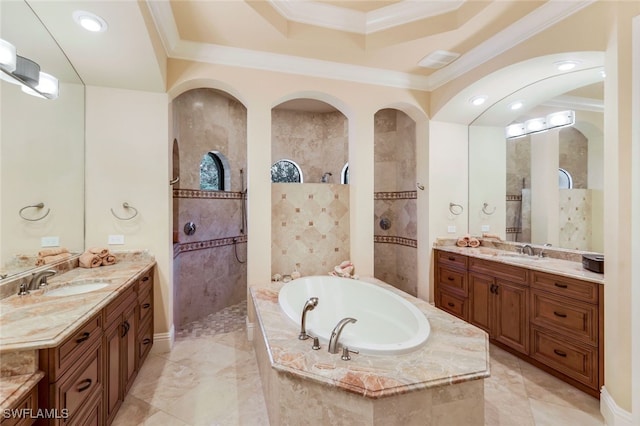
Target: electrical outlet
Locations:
point(50, 241)
point(116, 239)
point(451, 229)
point(486, 228)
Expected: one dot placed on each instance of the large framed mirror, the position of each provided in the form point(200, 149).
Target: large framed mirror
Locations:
point(545, 187)
point(41, 151)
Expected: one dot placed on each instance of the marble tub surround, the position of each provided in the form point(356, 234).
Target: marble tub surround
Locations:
point(558, 261)
point(37, 321)
point(449, 367)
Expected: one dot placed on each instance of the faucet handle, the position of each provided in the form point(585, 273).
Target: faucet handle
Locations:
point(316, 344)
point(24, 290)
point(345, 353)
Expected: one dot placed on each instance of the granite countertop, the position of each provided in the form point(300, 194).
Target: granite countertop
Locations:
point(38, 321)
point(454, 352)
point(564, 267)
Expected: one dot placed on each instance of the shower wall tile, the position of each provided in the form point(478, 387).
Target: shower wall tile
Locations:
point(575, 219)
point(574, 155)
point(309, 228)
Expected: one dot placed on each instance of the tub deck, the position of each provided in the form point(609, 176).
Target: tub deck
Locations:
point(456, 355)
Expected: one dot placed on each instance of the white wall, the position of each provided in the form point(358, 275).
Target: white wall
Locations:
point(544, 187)
point(127, 160)
point(635, 224)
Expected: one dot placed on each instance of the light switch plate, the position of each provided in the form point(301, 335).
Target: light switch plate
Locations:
point(451, 229)
point(50, 241)
point(485, 228)
point(116, 239)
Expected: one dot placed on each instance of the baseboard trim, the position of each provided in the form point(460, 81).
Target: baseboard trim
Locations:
point(163, 342)
point(612, 413)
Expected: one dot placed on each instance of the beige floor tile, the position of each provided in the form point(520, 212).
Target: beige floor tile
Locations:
point(547, 414)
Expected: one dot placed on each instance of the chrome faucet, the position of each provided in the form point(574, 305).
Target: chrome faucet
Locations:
point(335, 334)
point(308, 306)
point(38, 279)
point(542, 253)
point(326, 177)
point(527, 249)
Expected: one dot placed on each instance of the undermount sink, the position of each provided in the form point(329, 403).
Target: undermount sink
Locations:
point(79, 288)
point(518, 256)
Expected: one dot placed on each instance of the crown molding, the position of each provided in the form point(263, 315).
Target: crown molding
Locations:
point(543, 17)
point(576, 102)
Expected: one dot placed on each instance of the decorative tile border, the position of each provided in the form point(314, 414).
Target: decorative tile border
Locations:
point(513, 230)
point(202, 245)
point(399, 195)
point(514, 197)
point(197, 193)
point(391, 239)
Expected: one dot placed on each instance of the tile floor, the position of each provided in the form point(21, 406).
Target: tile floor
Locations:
point(211, 378)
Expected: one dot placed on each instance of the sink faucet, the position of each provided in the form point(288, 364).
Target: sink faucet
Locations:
point(527, 249)
point(308, 306)
point(335, 334)
point(38, 279)
point(542, 253)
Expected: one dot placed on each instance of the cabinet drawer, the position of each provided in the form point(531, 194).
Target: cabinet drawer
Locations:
point(453, 281)
point(146, 306)
point(452, 259)
point(91, 414)
point(575, 319)
point(510, 273)
point(145, 282)
point(145, 341)
point(577, 361)
point(564, 286)
point(114, 310)
point(28, 404)
point(453, 304)
point(58, 360)
point(72, 392)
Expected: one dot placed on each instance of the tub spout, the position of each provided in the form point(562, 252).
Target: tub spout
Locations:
point(335, 334)
point(308, 306)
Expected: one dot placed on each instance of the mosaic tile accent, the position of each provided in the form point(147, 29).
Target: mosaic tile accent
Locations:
point(513, 230)
point(201, 245)
point(575, 219)
point(197, 193)
point(517, 197)
point(395, 195)
point(231, 318)
point(390, 239)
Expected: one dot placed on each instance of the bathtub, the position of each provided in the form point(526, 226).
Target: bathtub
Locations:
point(387, 323)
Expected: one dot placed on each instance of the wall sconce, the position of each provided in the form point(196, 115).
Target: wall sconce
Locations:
point(24, 72)
point(540, 124)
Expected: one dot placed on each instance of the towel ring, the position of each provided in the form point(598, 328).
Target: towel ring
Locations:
point(484, 209)
point(174, 181)
point(456, 209)
point(126, 206)
point(420, 186)
point(35, 206)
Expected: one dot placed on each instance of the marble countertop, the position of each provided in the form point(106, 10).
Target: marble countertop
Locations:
point(14, 388)
point(567, 268)
point(37, 321)
point(454, 352)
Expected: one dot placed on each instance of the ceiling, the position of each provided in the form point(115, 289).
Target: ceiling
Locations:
point(378, 42)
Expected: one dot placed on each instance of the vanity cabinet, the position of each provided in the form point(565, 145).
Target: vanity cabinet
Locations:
point(549, 320)
point(27, 404)
point(88, 376)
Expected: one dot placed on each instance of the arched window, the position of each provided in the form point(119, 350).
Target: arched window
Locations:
point(564, 179)
point(286, 171)
point(212, 173)
point(344, 176)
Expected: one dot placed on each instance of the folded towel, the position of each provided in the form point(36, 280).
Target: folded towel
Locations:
point(89, 260)
point(474, 242)
point(108, 260)
point(46, 260)
point(100, 251)
point(463, 241)
point(52, 251)
point(494, 236)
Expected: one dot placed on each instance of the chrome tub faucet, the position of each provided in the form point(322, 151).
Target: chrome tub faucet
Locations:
point(308, 306)
point(335, 334)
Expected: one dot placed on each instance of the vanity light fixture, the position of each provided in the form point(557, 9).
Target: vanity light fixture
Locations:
point(8, 56)
point(478, 100)
point(540, 124)
point(47, 87)
point(90, 21)
point(24, 72)
point(566, 65)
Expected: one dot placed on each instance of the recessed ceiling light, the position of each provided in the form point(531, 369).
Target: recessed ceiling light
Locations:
point(566, 65)
point(90, 21)
point(515, 105)
point(478, 100)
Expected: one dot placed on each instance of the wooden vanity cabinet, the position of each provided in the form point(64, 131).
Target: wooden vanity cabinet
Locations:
point(27, 404)
point(451, 290)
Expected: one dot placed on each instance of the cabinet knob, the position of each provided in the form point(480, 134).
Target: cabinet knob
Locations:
point(560, 353)
point(560, 285)
point(146, 306)
point(145, 278)
point(451, 304)
point(450, 278)
point(84, 385)
point(146, 341)
point(84, 337)
point(559, 314)
point(451, 258)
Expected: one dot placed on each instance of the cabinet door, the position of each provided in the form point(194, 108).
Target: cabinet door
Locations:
point(129, 347)
point(113, 360)
point(481, 301)
point(511, 316)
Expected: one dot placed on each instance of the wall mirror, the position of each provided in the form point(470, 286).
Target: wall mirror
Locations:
point(517, 188)
point(41, 150)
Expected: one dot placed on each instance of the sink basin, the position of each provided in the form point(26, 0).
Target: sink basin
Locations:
point(518, 256)
point(74, 289)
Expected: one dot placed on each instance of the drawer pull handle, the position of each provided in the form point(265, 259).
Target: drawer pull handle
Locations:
point(84, 337)
point(559, 314)
point(452, 258)
point(146, 341)
point(145, 279)
point(450, 278)
point(451, 304)
point(85, 386)
point(125, 328)
point(560, 285)
point(146, 306)
point(560, 353)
